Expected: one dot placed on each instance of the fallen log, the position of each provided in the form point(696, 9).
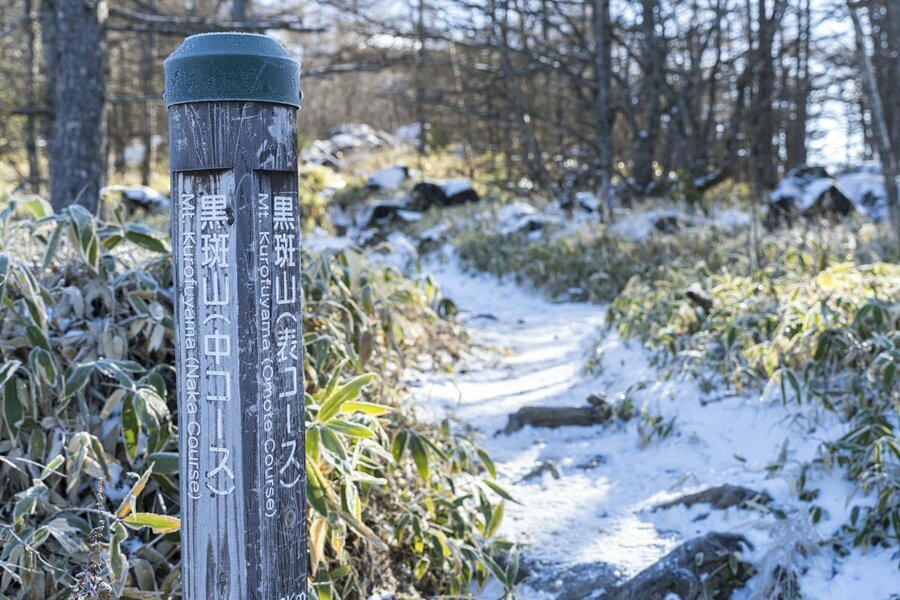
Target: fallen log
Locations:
point(721, 497)
point(559, 416)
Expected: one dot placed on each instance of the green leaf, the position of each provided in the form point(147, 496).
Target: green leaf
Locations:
point(117, 559)
point(27, 502)
point(347, 392)
point(52, 245)
point(488, 463)
point(369, 408)
point(353, 430)
point(145, 237)
point(398, 447)
point(158, 523)
point(50, 468)
point(890, 372)
point(8, 369)
point(314, 491)
point(131, 428)
point(164, 462)
point(500, 491)
point(128, 502)
point(494, 523)
point(85, 234)
point(420, 455)
point(77, 378)
point(421, 568)
point(12, 407)
point(313, 442)
point(35, 206)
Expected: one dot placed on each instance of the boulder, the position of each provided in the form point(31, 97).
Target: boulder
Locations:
point(388, 179)
point(568, 582)
point(342, 141)
point(384, 211)
point(351, 136)
point(585, 201)
point(708, 567)
point(639, 226)
point(409, 134)
point(519, 217)
point(807, 191)
point(450, 192)
point(864, 187)
point(138, 196)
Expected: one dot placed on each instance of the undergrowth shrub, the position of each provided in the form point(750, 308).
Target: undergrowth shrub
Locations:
point(88, 414)
point(589, 266)
point(812, 315)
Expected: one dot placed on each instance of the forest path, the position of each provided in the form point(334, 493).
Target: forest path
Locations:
point(594, 523)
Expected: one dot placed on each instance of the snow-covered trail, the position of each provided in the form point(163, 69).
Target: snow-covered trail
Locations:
point(529, 351)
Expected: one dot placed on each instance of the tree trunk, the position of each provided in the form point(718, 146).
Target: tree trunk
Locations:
point(34, 166)
point(652, 82)
point(879, 124)
point(603, 73)
point(796, 146)
point(239, 10)
point(148, 70)
point(422, 142)
point(74, 47)
point(890, 68)
point(762, 116)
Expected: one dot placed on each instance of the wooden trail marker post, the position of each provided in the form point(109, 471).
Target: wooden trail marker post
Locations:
point(233, 100)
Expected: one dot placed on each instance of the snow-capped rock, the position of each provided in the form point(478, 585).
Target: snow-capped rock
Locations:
point(520, 218)
point(806, 191)
point(138, 196)
point(408, 134)
point(448, 192)
point(380, 211)
point(387, 179)
point(864, 186)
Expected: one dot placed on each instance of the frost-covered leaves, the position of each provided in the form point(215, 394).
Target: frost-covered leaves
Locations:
point(816, 319)
point(87, 392)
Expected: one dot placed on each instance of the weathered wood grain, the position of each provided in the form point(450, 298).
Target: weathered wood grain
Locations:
point(235, 234)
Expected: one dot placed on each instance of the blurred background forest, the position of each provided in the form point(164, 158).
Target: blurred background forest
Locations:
point(624, 97)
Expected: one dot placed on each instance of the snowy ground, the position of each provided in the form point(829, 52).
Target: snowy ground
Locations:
point(595, 522)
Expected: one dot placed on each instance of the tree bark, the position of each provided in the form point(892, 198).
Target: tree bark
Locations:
point(879, 124)
point(148, 71)
point(652, 82)
point(797, 135)
point(603, 74)
point(239, 9)
point(74, 47)
point(34, 166)
point(762, 116)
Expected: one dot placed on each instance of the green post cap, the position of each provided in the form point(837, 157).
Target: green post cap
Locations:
point(248, 67)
